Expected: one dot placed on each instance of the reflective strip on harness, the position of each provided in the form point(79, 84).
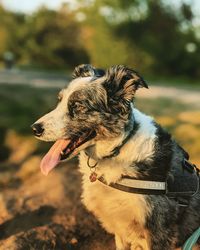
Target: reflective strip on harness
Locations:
point(142, 184)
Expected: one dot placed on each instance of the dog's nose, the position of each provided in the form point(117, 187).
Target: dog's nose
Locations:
point(37, 129)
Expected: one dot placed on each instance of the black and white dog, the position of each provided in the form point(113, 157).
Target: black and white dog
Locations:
point(130, 165)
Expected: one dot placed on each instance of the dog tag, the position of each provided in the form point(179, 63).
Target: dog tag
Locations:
point(93, 177)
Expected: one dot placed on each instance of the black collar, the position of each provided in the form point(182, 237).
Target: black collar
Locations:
point(117, 149)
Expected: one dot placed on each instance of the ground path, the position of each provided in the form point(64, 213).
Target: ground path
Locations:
point(182, 94)
point(59, 80)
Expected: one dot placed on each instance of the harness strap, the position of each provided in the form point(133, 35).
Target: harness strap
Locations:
point(132, 185)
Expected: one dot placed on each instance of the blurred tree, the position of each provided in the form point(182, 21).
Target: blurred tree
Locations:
point(149, 35)
point(11, 25)
point(104, 45)
point(52, 39)
point(3, 32)
point(186, 12)
point(47, 39)
point(160, 34)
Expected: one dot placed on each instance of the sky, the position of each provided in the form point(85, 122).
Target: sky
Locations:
point(29, 6)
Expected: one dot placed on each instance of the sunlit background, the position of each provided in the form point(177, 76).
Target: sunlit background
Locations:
point(152, 36)
point(41, 41)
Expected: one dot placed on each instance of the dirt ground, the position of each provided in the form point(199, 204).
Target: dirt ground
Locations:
point(45, 213)
point(39, 212)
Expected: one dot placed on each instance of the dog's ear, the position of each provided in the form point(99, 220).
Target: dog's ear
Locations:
point(85, 70)
point(122, 82)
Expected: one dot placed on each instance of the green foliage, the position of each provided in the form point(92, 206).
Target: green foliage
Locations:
point(148, 35)
point(47, 38)
point(159, 33)
point(26, 104)
point(54, 39)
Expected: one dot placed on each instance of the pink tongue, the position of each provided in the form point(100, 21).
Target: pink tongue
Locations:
point(52, 158)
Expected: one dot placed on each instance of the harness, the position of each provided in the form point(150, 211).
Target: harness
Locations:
point(132, 185)
point(174, 188)
point(171, 187)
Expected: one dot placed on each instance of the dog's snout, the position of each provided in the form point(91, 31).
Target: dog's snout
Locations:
point(37, 129)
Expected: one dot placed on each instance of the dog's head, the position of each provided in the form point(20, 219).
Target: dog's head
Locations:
point(95, 105)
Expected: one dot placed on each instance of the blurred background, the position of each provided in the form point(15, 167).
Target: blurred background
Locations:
point(41, 42)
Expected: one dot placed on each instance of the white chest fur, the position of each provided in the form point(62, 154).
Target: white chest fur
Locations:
point(121, 213)
point(115, 209)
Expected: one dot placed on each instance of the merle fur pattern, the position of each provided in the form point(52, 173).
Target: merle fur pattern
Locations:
point(102, 101)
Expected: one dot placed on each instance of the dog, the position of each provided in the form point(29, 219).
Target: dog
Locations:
point(126, 160)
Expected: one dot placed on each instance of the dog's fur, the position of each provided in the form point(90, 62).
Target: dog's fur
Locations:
point(103, 102)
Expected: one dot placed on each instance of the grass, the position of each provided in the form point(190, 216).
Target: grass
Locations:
point(22, 105)
point(180, 82)
point(161, 106)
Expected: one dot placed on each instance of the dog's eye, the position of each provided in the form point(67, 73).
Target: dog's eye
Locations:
point(125, 79)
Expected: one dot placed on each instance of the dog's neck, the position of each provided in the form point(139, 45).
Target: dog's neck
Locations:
point(137, 139)
point(100, 152)
point(105, 149)
point(139, 148)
